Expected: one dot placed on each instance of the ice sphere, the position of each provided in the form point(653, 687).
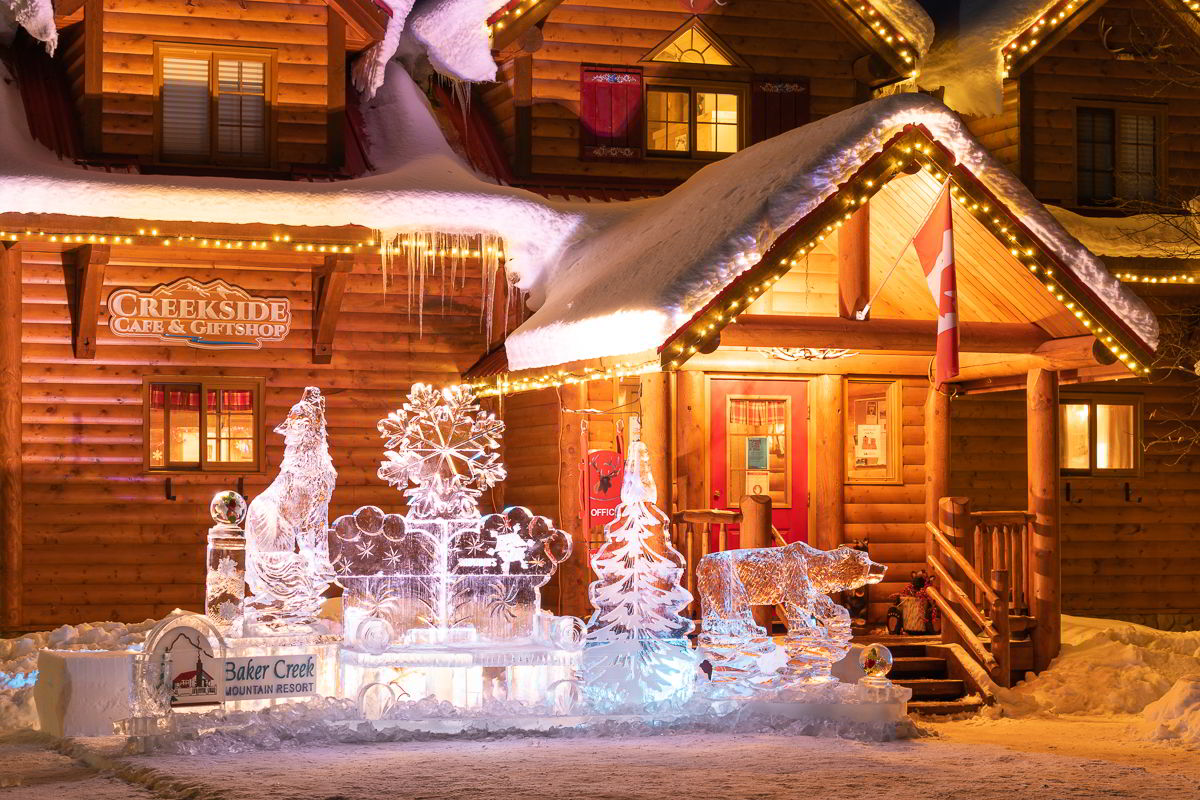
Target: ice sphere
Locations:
point(875, 660)
point(227, 508)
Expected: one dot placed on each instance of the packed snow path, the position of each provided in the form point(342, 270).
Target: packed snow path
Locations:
point(977, 759)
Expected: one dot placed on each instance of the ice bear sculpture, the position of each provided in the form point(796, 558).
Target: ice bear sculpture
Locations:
point(412, 581)
point(797, 577)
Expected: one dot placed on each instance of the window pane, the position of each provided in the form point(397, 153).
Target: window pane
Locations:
point(241, 108)
point(158, 425)
point(716, 122)
point(1095, 154)
point(230, 426)
point(1115, 437)
point(1136, 172)
point(667, 120)
point(183, 424)
point(1074, 436)
point(185, 115)
point(757, 436)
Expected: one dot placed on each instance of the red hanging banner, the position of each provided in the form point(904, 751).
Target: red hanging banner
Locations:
point(605, 469)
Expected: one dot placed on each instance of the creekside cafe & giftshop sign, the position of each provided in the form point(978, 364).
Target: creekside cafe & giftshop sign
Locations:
point(212, 316)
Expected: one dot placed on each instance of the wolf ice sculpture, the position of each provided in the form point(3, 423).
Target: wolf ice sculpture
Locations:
point(799, 578)
point(287, 545)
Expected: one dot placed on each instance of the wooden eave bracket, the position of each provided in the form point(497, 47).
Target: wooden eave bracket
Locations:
point(501, 39)
point(363, 17)
point(90, 263)
point(329, 286)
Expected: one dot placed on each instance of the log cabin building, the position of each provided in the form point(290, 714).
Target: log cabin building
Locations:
point(242, 164)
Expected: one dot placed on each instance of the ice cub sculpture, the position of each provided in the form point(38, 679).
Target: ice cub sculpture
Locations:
point(444, 575)
point(796, 576)
point(636, 652)
point(287, 545)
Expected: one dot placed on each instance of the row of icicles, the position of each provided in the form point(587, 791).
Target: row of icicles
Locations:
point(438, 262)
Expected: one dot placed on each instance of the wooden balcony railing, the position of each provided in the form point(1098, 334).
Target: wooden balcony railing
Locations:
point(981, 562)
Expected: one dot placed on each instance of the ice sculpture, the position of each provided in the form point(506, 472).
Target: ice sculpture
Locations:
point(287, 546)
point(636, 651)
point(797, 577)
point(444, 575)
point(225, 583)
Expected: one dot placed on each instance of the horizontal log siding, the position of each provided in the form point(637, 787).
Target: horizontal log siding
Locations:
point(1079, 68)
point(892, 517)
point(101, 540)
point(297, 31)
point(1130, 559)
point(774, 37)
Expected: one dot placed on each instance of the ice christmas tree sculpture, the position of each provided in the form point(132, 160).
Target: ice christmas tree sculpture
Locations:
point(636, 652)
point(443, 575)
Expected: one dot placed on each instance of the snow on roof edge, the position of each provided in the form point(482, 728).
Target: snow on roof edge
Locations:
point(628, 288)
point(35, 16)
point(913, 23)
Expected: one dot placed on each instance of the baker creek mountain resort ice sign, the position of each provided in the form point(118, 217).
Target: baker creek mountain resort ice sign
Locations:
point(211, 316)
point(444, 600)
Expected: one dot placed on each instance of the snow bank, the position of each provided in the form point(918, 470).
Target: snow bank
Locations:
point(1108, 667)
point(1176, 715)
point(970, 62)
point(18, 661)
point(656, 262)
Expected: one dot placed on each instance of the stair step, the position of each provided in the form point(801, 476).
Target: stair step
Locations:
point(933, 688)
point(919, 667)
point(937, 708)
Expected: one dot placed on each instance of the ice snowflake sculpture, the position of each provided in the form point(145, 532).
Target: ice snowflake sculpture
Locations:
point(636, 651)
point(443, 444)
point(797, 577)
point(445, 575)
point(287, 545)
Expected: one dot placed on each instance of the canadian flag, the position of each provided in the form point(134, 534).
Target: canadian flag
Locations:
point(934, 244)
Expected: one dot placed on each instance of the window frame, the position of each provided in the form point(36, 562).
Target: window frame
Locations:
point(1119, 108)
point(894, 397)
point(1092, 399)
point(267, 56)
point(788, 499)
point(694, 87)
point(257, 385)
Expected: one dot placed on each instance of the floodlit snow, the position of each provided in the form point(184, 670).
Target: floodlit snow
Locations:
point(456, 37)
point(626, 289)
point(1108, 668)
point(1136, 236)
point(912, 22)
point(970, 62)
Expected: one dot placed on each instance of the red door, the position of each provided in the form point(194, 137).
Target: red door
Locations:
point(760, 446)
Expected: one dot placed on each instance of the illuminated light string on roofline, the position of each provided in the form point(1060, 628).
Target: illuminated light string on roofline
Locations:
point(1132, 277)
point(509, 12)
point(1042, 27)
point(700, 334)
point(553, 379)
point(277, 242)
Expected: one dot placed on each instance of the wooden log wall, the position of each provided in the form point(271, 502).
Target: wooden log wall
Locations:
point(1129, 549)
point(1001, 133)
point(892, 517)
point(792, 38)
point(101, 541)
point(109, 60)
point(1079, 68)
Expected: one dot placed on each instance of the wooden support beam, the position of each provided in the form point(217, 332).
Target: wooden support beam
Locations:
point(854, 263)
point(691, 441)
point(90, 263)
point(893, 335)
point(755, 532)
point(11, 467)
point(830, 462)
point(1041, 409)
point(329, 285)
point(574, 574)
point(656, 432)
point(937, 456)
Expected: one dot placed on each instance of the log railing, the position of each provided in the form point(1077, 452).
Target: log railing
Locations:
point(981, 563)
point(699, 532)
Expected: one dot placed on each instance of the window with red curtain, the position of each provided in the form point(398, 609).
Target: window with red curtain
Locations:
point(778, 105)
point(610, 113)
point(226, 436)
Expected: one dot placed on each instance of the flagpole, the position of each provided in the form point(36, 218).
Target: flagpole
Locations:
point(865, 310)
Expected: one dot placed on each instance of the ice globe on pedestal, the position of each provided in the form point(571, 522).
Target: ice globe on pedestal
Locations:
point(875, 660)
point(227, 508)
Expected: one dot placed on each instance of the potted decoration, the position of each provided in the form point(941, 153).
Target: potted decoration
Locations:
point(913, 612)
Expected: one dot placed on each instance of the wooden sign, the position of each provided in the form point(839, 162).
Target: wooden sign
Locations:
point(606, 471)
point(212, 316)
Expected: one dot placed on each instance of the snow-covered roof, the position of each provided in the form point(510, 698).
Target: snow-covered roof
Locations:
point(911, 21)
point(969, 62)
point(628, 288)
point(1175, 235)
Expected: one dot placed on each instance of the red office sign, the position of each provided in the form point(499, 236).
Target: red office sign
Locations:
point(605, 471)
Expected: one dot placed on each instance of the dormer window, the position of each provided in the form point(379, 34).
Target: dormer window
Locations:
point(692, 46)
point(213, 105)
point(1117, 154)
point(693, 120)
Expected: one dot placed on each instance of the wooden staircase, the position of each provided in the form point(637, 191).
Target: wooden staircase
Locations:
point(922, 664)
